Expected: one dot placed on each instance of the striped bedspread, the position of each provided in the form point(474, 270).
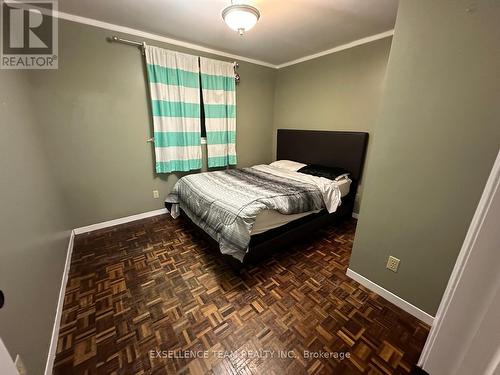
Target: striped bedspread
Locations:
point(226, 203)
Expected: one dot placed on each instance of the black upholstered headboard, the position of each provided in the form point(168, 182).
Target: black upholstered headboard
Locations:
point(329, 148)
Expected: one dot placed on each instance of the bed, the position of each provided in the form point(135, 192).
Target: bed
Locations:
point(251, 212)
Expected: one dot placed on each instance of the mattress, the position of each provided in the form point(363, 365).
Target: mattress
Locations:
point(270, 219)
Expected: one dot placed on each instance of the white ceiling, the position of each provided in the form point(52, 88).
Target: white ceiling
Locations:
point(287, 29)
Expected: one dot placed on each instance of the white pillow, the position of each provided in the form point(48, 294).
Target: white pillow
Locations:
point(289, 165)
point(344, 176)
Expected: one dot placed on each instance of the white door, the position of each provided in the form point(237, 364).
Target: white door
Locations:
point(465, 337)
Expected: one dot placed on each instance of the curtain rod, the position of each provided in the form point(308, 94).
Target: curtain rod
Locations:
point(142, 45)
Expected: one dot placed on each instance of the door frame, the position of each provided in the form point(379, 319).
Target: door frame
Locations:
point(492, 188)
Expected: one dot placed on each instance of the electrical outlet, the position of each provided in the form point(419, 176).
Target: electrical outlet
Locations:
point(393, 264)
point(21, 368)
point(156, 194)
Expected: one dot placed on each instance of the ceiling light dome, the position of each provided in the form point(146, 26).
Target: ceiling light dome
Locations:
point(240, 17)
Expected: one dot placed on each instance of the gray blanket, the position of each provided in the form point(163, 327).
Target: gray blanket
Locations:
point(226, 203)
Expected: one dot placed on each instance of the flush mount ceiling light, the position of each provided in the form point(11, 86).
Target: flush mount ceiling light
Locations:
point(240, 17)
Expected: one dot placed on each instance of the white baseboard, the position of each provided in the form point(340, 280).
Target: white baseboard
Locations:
point(57, 321)
point(355, 215)
point(123, 220)
point(391, 297)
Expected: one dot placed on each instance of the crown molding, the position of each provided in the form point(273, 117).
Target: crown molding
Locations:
point(159, 38)
point(197, 47)
point(342, 47)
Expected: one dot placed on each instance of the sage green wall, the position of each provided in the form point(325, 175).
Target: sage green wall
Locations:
point(434, 144)
point(73, 152)
point(34, 228)
point(340, 91)
point(94, 114)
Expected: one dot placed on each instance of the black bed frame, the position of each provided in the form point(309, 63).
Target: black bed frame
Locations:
point(346, 150)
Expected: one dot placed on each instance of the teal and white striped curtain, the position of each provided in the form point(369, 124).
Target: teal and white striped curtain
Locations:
point(174, 84)
point(219, 102)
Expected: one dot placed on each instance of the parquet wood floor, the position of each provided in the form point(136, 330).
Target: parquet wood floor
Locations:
point(148, 296)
